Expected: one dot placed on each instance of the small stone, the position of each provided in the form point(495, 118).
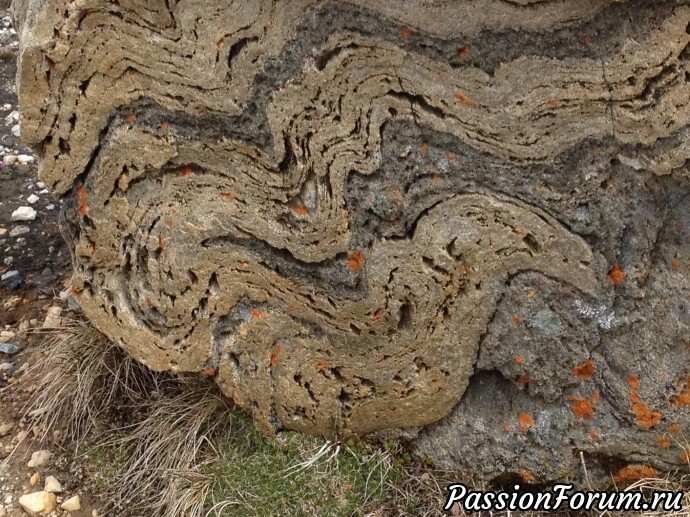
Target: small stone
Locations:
point(24, 213)
point(8, 260)
point(72, 504)
point(39, 459)
point(2, 511)
point(50, 207)
point(9, 159)
point(5, 367)
point(19, 230)
point(33, 480)
point(16, 130)
point(12, 282)
point(9, 274)
point(38, 503)
point(3, 231)
point(6, 429)
point(94, 513)
point(53, 318)
point(9, 348)
point(52, 485)
point(32, 199)
point(25, 158)
point(40, 184)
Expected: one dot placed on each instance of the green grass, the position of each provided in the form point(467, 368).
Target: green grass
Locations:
point(297, 475)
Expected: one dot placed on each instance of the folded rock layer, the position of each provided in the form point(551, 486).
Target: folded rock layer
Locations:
point(462, 222)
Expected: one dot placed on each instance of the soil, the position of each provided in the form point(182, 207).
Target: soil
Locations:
point(42, 262)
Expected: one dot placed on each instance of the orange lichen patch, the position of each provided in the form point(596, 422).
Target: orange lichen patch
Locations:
point(663, 441)
point(517, 319)
point(645, 417)
point(584, 371)
point(423, 149)
point(131, 118)
point(227, 195)
point(405, 32)
point(377, 315)
point(76, 291)
point(553, 103)
point(593, 434)
point(81, 196)
point(202, 111)
point(506, 427)
point(596, 397)
point(587, 39)
point(526, 476)
point(634, 473)
point(149, 301)
point(187, 171)
point(355, 261)
point(675, 265)
point(525, 421)
point(452, 158)
point(633, 382)
point(523, 381)
point(581, 408)
point(616, 275)
point(301, 210)
point(322, 365)
point(519, 359)
point(275, 354)
point(464, 51)
point(255, 314)
point(161, 242)
point(164, 125)
point(210, 372)
point(464, 99)
point(674, 428)
point(683, 398)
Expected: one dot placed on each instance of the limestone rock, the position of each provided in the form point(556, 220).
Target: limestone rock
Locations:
point(464, 224)
point(40, 459)
point(38, 503)
point(72, 504)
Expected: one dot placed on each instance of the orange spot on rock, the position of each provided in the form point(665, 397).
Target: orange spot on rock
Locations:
point(685, 457)
point(616, 275)
point(405, 32)
point(506, 427)
point(81, 197)
point(255, 314)
point(377, 315)
point(526, 476)
point(674, 428)
point(210, 372)
point(525, 421)
point(355, 261)
point(164, 125)
point(596, 396)
point(149, 301)
point(275, 354)
point(553, 103)
point(634, 473)
point(187, 171)
point(581, 408)
point(587, 39)
point(51, 64)
point(423, 150)
point(301, 210)
point(519, 359)
point(464, 99)
point(633, 382)
point(645, 417)
point(593, 434)
point(202, 111)
point(322, 365)
point(227, 195)
point(517, 319)
point(464, 51)
point(452, 158)
point(675, 265)
point(161, 242)
point(585, 370)
point(663, 441)
point(523, 381)
point(131, 118)
point(77, 292)
point(683, 398)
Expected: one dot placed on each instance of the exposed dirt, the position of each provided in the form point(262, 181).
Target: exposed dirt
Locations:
point(42, 264)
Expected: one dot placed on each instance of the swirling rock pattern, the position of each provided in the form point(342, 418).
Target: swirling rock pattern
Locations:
point(365, 219)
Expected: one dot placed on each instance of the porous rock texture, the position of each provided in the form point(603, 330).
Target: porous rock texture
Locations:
point(463, 222)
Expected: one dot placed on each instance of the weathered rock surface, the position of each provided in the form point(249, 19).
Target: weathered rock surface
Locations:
point(466, 217)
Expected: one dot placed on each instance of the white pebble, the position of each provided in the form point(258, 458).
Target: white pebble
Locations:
point(24, 213)
point(25, 158)
point(32, 199)
point(16, 130)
